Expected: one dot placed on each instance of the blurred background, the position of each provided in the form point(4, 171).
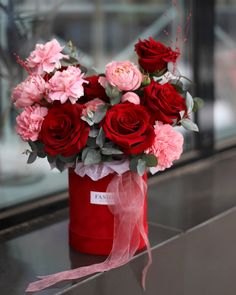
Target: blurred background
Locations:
point(105, 30)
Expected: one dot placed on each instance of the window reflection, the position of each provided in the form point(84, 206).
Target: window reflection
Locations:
point(225, 70)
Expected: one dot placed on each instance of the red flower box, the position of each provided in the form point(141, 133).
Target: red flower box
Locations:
point(91, 226)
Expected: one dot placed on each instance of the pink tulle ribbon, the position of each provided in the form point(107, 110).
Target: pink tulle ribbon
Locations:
point(129, 191)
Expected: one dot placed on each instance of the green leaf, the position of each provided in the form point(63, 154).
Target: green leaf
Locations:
point(91, 142)
point(60, 165)
point(51, 159)
point(150, 159)
point(88, 120)
point(198, 103)
point(41, 154)
point(84, 153)
point(92, 157)
point(189, 102)
point(99, 115)
point(159, 73)
point(33, 145)
point(133, 164)
point(100, 140)
point(93, 132)
point(66, 159)
point(69, 61)
point(113, 93)
point(181, 113)
point(111, 151)
point(189, 125)
point(32, 157)
point(141, 167)
point(115, 100)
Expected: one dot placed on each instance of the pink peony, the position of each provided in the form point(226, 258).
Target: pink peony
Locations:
point(46, 57)
point(92, 106)
point(66, 85)
point(167, 146)
point(124, 75)
point(29, 91)
point(29, 122)
point(131, 97)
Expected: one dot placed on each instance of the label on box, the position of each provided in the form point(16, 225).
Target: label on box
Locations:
point(101, 198)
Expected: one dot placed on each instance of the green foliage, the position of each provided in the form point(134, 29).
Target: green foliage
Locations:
point(198, 103)
point(113, 93)
point(189, 125)
point(139, 163)
point(91, 156)
point(100, 140)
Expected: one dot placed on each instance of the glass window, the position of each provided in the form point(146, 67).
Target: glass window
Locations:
point(225, 70)
point(102, 31)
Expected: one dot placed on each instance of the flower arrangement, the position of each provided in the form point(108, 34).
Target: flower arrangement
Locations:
point(121, 123)
point(75, 118)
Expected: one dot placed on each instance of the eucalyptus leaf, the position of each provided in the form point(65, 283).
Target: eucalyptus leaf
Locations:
point(159, 73)
point(150, 159)
point(69, 61)
point(133, 164)
point(100, 140)
point(113, 93)
point(111, 151)
point(59, 165)
point(181, 113)
point(51, 159)
point(189, 125)
point(198, 103)
point(99, 115)
point(90, 114)
point(189, 102)
point(33, 145)
point(32, 157)
point(91, 142)
point(92, 157)
point(39, 145)
point(93, 132)
point(141, 167)
point(41, 154)
point(88, 120)
point(115, 100)
point(66, 159)
point(84, 153)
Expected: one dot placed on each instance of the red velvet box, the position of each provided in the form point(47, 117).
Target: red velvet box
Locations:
point(91, 226)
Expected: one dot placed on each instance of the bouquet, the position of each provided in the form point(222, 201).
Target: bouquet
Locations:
point(122, 120)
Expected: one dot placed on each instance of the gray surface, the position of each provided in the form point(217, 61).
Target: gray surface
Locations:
point(210, 257)
point(198, 262)
point(193, 194)
point(46, 251)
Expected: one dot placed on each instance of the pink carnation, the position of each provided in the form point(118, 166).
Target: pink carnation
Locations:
point(124, 75)
point(29, 91)
point(46, 57)
point(66, 85)
point(29, 122)
point(131, 97)
point(167, 146)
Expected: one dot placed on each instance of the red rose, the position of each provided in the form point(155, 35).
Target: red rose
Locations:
point(163, 102)
point(128, 126)
point(63, 132)
point(154, 56)
point(93, 89)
